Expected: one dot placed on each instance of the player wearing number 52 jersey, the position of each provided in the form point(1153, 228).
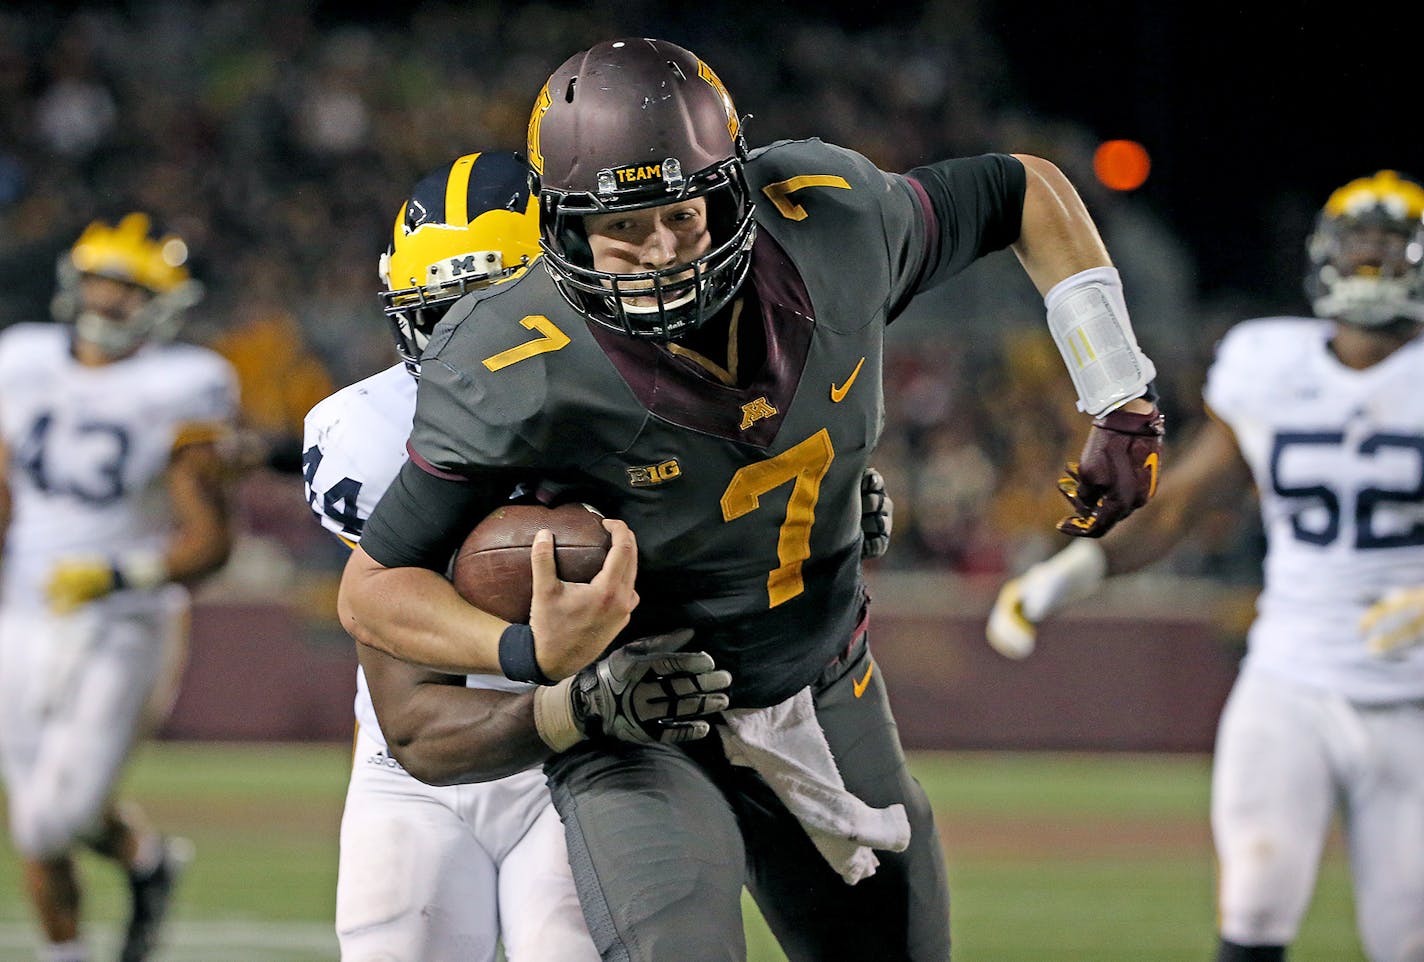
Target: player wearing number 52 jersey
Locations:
point(701, 357)
point(115, 495)
point(1325, 415)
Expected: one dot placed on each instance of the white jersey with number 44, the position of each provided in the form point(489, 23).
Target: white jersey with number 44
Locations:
point(354, 446)
point(1338, 458)
point(88, 446)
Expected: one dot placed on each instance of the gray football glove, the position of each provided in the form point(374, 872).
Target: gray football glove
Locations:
point(647, 691)
point(877, 515)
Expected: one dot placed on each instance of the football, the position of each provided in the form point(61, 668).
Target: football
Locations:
point(491, 569)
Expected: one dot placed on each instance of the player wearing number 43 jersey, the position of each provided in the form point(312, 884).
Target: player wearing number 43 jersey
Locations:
point(115, 500)
point(1326, 417)
point(701, 357)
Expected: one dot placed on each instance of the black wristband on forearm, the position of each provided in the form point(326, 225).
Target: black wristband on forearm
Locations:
point(516, 656)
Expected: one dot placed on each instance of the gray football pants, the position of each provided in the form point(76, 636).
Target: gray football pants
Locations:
point(661, 841)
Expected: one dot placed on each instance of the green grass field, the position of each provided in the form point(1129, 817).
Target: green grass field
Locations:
point(1081, 858)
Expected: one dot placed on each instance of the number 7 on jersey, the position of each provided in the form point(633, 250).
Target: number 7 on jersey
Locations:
point(805, 466)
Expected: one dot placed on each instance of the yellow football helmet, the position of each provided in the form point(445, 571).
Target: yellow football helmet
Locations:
point(129, 253)
point(1367, 252)
point(466, 226)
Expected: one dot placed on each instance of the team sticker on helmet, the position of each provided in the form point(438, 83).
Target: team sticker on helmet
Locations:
point(636, 175)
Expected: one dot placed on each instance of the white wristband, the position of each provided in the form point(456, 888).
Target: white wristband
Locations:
point(1073, 573)
point(1087, 317)
point(141, 569)
point(554, 716)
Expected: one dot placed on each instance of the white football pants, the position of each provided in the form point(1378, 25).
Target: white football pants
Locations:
point(443, 874)
point(76, 692)
point(1286, 758)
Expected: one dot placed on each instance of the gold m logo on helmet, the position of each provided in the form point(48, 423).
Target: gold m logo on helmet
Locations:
point(541, 107)
point(754, 411)
point(705, 72)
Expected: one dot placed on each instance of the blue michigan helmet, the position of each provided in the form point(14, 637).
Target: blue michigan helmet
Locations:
point(467, 225)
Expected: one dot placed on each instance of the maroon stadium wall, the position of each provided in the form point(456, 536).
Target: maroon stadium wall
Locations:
point(1102, 679)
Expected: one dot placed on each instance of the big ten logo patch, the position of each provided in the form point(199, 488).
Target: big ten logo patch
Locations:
point(646, 477)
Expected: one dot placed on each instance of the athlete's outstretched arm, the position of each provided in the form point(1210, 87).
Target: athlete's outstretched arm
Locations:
point(1211, 464)
point(1057, 237)
point(1061, 250)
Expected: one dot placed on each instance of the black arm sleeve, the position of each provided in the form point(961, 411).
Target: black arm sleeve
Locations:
point(978, 203)
point(421, 519)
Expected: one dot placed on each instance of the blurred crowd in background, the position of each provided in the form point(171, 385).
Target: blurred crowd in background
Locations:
point(278, 140)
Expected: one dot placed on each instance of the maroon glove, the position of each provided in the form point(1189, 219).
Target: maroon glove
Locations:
point(1116, 474)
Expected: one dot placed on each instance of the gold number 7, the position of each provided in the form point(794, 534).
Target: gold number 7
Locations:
point(805, 465)
point(780, 192)
point(550, 339)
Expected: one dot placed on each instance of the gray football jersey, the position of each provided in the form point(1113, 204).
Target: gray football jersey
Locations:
point(744, 499)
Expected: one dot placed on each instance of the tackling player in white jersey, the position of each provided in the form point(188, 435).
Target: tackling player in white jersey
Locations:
point(114, 500)
point(1326, 416)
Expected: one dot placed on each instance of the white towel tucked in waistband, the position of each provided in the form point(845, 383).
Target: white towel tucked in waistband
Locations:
point(786, 746)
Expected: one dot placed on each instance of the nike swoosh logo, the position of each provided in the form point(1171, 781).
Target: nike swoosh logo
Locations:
point(864, 682)
point(1151, 465)
point(838, 393)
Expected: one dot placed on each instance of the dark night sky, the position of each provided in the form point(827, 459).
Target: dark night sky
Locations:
point(1252, 111)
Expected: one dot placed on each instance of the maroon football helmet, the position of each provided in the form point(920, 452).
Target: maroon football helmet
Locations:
point(630, 124)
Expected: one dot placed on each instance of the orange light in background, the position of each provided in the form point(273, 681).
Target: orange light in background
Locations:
point(1121, 164)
